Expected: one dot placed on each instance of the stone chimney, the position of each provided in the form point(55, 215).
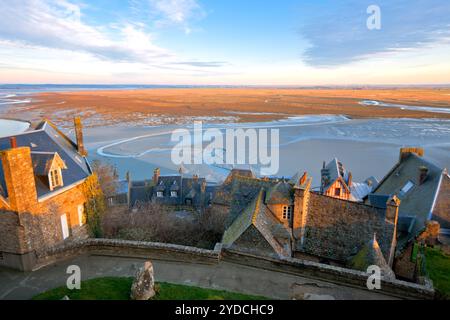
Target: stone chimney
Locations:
point(405, 152)
point(156, 175)
point(350, 180)
point(392, 207)
point(19, 178)
point(301, 210)
point(303, 179)
point(203, 186)
point(79, 136)
point(13, 142)
point(423, 174)
point(325, 173)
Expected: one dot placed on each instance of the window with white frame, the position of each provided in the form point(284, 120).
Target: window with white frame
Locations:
point(81, 214)
point(160, 194)
point(174, 194)
point(55, 178)
point(287, 212)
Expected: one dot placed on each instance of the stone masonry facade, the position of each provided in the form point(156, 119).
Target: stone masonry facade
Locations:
point(31, 224)
point(336, 229)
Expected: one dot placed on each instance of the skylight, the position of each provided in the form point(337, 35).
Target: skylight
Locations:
point(408, 186)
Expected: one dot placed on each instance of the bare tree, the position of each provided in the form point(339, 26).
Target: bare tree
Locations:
point(156, 223)
point(107, 177)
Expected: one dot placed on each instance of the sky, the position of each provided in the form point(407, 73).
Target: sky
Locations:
point(225, 42)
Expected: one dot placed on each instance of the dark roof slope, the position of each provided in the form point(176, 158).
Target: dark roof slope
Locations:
point(416, 200)
point(258, 215)
point(371, 255)
point(280, 193)
point(238, 192)
point(42, 162)
point(48, 139)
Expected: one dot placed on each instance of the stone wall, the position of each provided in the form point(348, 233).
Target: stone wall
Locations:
point(331, 281)
point(28, 233)
point(336, 229)
point(441, 211)
point(36, 224)
point(130, 249)
point(11, 232)
point(322, 279)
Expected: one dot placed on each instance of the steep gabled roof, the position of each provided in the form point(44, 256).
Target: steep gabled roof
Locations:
point(280, 193)
point(371, 255)
point(336, 171)
point(258, 215)
point(46, 138)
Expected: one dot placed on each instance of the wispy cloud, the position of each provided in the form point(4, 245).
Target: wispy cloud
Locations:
point(337, 33)
point(178, 12)
point(59, 25)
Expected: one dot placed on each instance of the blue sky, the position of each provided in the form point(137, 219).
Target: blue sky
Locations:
point(235, 42)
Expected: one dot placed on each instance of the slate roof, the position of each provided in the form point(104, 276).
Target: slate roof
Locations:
point(418, 202)
point(238, 191)
point(358, 190)
point(47, 138)
point(371, 255)
point(258, 215)
point(335, 170)
point(186, 188)
point(280, 193)
point(42, 162)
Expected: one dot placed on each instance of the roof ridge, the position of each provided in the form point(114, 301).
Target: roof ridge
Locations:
point(257, 205)
point(62, 134)
point(43, 152)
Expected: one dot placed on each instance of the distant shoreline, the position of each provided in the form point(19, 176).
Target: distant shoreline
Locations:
point(162, 106)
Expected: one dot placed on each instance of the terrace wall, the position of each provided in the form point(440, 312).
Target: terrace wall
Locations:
point(313, 278)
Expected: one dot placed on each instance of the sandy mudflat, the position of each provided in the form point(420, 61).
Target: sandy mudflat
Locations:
point(367, 147)
point(315, 125)
point(161, 106)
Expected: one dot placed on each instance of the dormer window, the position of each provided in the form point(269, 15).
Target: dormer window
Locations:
point(48, 168)
point(55, 179)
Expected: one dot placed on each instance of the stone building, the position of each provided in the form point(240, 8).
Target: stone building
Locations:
point(424, 191)
point(171, 190)
point(42, 195)
point(337, 182)
point(276, 217)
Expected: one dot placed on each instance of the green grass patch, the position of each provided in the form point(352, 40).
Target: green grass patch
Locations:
point(120, 288)
point(438, 268)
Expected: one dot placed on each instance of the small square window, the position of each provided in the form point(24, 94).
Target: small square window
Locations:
point(174, 194)
point(337, 192)
point(160, 194)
